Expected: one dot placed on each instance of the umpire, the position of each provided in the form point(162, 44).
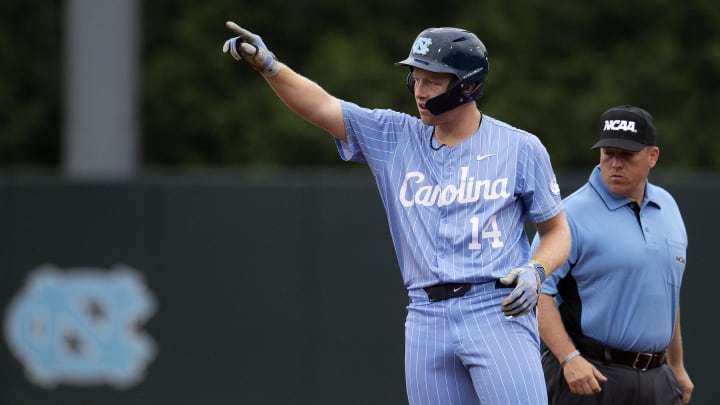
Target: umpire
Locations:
point(610, 316)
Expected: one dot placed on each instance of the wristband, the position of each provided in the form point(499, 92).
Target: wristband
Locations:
point(540, 268)
point(569, 357)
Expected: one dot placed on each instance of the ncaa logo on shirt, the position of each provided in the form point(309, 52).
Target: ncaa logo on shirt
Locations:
point(421, 46)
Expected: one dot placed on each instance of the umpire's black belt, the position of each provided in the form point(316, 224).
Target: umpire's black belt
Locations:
point(638, 360)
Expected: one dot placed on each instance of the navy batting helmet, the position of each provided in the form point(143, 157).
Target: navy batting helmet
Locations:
point(449, 50)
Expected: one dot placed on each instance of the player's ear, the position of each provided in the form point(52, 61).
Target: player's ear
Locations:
point(469, 88)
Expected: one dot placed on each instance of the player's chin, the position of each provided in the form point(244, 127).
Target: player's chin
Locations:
point(426, 116)
point(427, 121)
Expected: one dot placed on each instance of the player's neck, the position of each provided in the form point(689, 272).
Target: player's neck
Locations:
point(458, 126)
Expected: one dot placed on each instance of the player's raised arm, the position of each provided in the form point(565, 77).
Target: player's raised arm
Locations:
point(305, 97)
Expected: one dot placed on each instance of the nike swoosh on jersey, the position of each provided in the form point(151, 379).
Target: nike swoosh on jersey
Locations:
point(481, 157)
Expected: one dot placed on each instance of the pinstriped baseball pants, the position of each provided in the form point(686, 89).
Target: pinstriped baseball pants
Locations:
point(464, 351)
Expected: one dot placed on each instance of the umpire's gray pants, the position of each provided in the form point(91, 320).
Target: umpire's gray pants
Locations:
point(625, 385)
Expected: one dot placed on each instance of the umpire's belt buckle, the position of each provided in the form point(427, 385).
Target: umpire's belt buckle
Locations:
point(643, 359)
point(441, 292)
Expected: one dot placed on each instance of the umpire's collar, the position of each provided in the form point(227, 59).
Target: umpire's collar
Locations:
point(613, 201)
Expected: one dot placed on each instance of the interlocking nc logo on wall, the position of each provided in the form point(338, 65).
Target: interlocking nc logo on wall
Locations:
point(81, 326)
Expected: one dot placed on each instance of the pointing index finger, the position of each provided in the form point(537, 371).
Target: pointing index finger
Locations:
point(243, 33)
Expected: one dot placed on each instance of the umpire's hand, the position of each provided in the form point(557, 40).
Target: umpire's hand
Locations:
point(582, 377)
point(523, 299)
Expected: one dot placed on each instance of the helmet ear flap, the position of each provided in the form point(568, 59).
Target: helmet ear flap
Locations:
point(457, 94)
point(476, 92)
point(410, 82)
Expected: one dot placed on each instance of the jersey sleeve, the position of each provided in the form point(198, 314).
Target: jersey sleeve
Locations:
point(372, 134)
point(537, 182)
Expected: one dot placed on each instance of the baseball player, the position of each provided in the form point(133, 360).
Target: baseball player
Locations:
point(456, 186)
point(610, 315)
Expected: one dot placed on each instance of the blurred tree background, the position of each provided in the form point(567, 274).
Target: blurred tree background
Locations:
point(554, 68)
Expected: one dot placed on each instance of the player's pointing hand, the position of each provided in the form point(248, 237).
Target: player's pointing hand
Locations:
point(251, 48)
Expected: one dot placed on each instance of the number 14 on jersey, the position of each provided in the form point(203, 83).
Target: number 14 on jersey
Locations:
point(490, 231)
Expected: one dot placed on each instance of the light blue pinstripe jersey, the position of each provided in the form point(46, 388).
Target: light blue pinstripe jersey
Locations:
point(455, 214)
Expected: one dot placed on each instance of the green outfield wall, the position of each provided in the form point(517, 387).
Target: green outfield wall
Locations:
point(248, 287)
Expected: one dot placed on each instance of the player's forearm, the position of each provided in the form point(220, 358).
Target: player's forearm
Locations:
point(554, 245)
point(552, 330)
point(310, 101)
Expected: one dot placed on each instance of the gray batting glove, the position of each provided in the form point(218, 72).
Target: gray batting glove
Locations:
point(527, 281)
point(251, 48)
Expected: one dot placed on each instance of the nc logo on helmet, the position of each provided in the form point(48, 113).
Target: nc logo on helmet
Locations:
point(422, 46)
